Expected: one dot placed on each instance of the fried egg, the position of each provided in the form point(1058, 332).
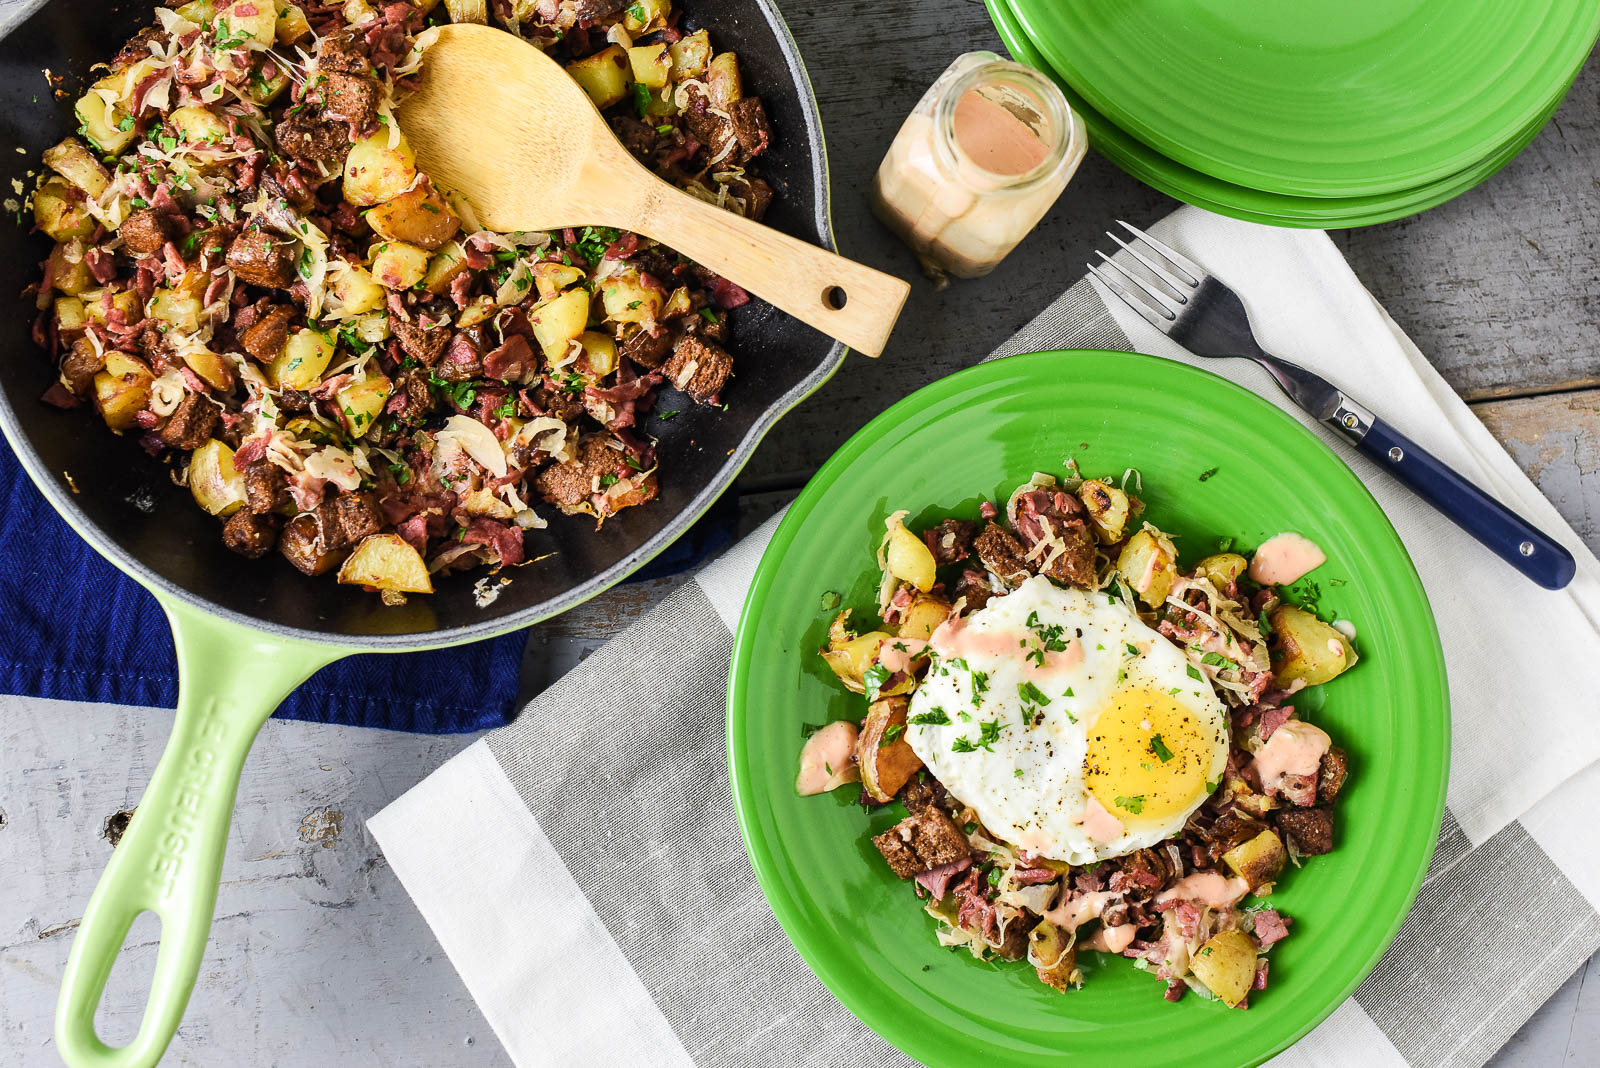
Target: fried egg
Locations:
point(1073, 729)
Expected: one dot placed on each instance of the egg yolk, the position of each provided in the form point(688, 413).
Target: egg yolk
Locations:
point(1148, 758)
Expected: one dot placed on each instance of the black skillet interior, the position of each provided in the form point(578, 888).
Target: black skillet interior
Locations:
point(128, 502)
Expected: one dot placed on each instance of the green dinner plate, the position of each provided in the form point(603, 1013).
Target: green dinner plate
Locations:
point(1255, 205)
point(974, 436)
point(1330, 98)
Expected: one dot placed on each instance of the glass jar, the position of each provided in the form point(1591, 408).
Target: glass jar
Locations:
point(977, 163)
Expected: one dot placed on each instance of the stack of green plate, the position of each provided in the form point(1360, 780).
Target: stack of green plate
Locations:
point(1317, 113)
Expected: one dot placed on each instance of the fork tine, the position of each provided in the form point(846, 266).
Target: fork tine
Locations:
point(1161, 320)
point(1183, 263)
point(1169, 310)
point(1162, 275)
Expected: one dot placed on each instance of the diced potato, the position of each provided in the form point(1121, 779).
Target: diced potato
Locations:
point(122, 390)
point(1227, 965)
point(195, 125)
point(398, 265)
point(1149, 563)
point(386, 562)
point(1107, 507)
point(247, 20)
point(551, 278)
point(216, 485)
point(70, 317)
point(848, 655)
point(1258, 861)
point(909, 558)
point(351, 290)
point(68, 272)
point(1304, 647)
point(263, 91)
point(199, 12)
point(374, 172)
point(604, 75)
point(77, 164)
point(360, 403)
point(291, 24)
point(480, 309)
point(1222, 568)
point(61, 212)
point(98, 304)
point(679, 303)
point(109, 128)
point(643, 15)
point(305, 356)
point(599, 356)
point(722, 80)
point(468, 10)
point(628, 300)
point(556, 322)
point(1053, 955)
point(178, 308)
point(886, 758)
point(448, 262)
point(419, 216)
point(424, 6)
point(358, 11)
point(691, 55)
point(650, 64)
point(924, 616)
point(212, 367)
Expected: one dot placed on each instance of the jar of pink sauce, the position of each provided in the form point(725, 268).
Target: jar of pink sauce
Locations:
point(982, 157)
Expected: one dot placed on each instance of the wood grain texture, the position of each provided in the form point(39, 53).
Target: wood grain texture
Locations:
point(557, 164)
point(319, 958)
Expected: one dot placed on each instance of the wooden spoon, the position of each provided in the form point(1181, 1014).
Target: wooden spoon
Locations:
point(499, 122)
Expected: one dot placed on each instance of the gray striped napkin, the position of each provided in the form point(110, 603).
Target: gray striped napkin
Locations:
point(590, 885)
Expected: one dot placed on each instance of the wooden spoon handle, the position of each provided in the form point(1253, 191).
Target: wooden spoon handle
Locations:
point(844, 299)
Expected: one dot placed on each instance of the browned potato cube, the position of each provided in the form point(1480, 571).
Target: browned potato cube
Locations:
point(1258, 861)
point(886, 758)
point(1227, 965)
point(419, 216)
point(1304, 647)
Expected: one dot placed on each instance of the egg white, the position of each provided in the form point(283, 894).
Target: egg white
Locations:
point(1024, 773)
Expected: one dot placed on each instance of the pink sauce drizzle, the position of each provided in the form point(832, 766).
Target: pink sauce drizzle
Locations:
point(1074, 913)
point(1100, 825)
point(828, 759)
point(897, 659)
point(1283, 558)
point(1112, 939)
point(1295, 749)
point(994, 138)
point(1206, 888)
point(953, 638)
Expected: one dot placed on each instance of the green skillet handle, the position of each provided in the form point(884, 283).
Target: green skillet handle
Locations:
point(170, 858)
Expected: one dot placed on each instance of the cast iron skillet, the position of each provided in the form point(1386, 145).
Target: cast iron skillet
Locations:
point(248, 632)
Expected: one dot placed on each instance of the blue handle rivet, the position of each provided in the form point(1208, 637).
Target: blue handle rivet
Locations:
point(1396, 454)
point(1526, 548)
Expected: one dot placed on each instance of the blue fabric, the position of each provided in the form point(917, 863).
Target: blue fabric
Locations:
point(73, 627)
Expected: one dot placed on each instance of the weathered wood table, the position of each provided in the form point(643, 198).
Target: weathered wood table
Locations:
point(317, 955)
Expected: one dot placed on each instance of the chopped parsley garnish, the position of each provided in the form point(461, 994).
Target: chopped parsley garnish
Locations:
point(463, 393)
point(1224, 545)
point(962, 745)
point(1216, 660)
point(1207, 473)
point(641, 98)
point(1133, 805)
point(1017, 774)
point(980, 685)
point(994, 876)
point(989, 733)
point(593, 242)
point(1068, 693)
point(666, 129)
point(708, 315)
point(507, 409)
point(1264, 623)
point(1133, 650)
point(1194, 672)
point(893, 731)
point(126, 124)
point(670, 414)
point(936, 717)
point(1158, 746)
point(1029, 692)
point(874, 678)
point(1211, 785)
point(830, 601)
point(608, 479)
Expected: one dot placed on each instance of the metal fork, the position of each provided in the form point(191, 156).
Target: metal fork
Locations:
point(1203, 315)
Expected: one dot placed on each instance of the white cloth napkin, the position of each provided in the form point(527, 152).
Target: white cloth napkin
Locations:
point(572, 870)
